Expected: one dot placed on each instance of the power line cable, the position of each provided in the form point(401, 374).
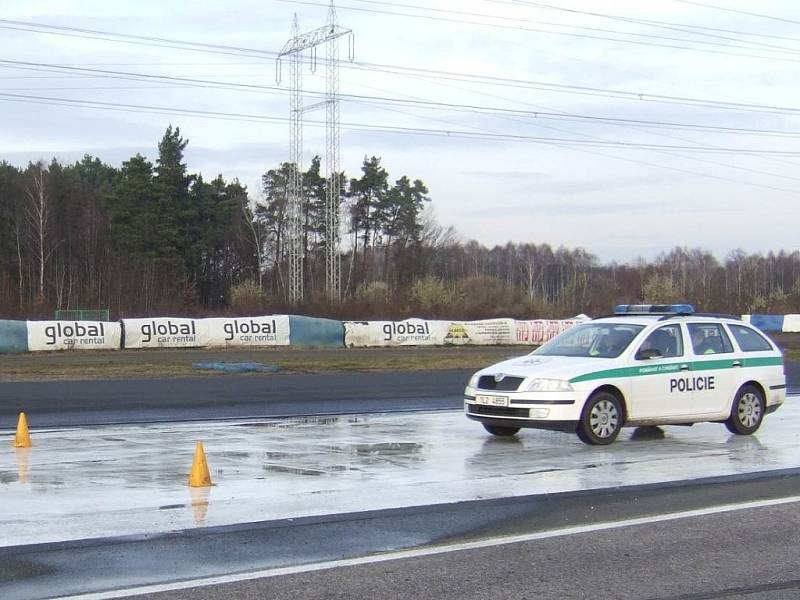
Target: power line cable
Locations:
point(580, 90)
point(136, 39)
point(566, 116)
point(565, 88)
point(546, 31)
point(666, 167)
point(162, 80)
point(669, 153)
point(686, 27)
point(436, 74)
point(741, 12)
point(399, 129)
point(748, 44)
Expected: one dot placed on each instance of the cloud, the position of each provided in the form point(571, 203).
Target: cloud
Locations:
point(607, 200)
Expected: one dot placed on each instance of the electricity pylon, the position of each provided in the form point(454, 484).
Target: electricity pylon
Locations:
point(293, 49)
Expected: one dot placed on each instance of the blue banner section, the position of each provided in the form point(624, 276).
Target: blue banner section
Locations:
point(308, 331)
point(13, 336)
point(767, 322)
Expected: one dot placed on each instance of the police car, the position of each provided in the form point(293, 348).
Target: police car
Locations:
point(645, 365)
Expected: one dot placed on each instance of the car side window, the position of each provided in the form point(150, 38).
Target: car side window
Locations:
point(709, 338)
point(664, 342)
point(749, 340)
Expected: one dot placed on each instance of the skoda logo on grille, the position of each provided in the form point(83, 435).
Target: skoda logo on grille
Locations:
point(499, 377)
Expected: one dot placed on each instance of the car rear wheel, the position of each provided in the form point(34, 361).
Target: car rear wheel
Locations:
point(747, 411)
point(500, 431)
point(601, 419)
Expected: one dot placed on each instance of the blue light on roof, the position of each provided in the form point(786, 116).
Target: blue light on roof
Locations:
point(653, 309)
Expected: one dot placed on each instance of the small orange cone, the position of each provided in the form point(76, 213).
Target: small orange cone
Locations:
point(199, 477)
point(22, 439)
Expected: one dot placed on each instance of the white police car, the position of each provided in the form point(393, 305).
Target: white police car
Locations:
point(646, 365)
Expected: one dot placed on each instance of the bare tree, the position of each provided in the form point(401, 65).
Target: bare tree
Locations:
point(37, 219)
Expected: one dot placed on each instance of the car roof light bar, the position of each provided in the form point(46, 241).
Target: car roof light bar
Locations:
point(653, 309)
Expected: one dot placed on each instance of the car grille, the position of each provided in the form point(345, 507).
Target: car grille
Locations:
point(507, 384)
point(498, 411)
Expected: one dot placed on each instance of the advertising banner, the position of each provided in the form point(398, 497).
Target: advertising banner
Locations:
point(73, 335)
point(421, 332)
point(491, 332)
point(768, 322)
point(539, 331)
point(165, 332)
point(791, 323)
point(411, 332)
point(248, 331)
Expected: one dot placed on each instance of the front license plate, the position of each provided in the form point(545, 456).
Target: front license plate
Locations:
point(491, 400)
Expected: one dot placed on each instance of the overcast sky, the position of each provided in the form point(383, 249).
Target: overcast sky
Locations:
point(544, 80)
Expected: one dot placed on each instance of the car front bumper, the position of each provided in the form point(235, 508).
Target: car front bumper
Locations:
point(557, 411)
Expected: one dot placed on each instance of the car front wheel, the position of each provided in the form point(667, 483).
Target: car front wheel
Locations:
point(601, 419)
point(747, 411)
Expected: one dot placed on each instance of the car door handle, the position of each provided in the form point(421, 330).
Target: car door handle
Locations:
point(684, 367)
point(737, 363)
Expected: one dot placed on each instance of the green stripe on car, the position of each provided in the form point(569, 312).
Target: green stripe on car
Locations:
point(698, 365)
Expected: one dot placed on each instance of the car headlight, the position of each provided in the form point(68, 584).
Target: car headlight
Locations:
point(473, 381)
point(549, 385)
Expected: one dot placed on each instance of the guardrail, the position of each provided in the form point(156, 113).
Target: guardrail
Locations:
point(775, 323)
point(296, 330)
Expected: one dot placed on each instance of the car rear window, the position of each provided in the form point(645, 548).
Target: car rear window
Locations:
point(749, 340)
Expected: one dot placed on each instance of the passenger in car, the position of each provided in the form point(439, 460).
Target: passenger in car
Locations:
point(705, 344)
point(660, 341)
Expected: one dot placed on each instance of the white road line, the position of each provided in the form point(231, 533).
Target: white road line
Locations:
point(488, 543)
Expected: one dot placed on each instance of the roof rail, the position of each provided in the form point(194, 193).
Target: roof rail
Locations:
point(641, 314)
point(712, 315)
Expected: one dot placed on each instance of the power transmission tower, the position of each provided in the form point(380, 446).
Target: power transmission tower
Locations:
point(293, 49)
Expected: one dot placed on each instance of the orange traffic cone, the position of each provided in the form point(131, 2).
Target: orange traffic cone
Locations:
point(22, 439)
point(199, 476)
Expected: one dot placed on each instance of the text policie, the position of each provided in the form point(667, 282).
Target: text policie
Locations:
point(691, 384)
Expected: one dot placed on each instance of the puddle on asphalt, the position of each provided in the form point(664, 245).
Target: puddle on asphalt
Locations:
point(291, 422)
point(233, 454)
point(280, 455)
point(388, 448)
point(305, 471)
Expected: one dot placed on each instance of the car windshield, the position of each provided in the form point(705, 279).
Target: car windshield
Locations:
point(600, 340)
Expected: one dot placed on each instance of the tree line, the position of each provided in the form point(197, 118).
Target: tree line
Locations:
point(154, 239)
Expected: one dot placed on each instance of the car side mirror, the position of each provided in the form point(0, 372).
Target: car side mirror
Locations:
point(648, 354)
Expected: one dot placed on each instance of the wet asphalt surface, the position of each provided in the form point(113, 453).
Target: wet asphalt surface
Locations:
point(98, 402)
point(68, 403)
point(753, 554)
point(750, 554)
point(713, 557)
